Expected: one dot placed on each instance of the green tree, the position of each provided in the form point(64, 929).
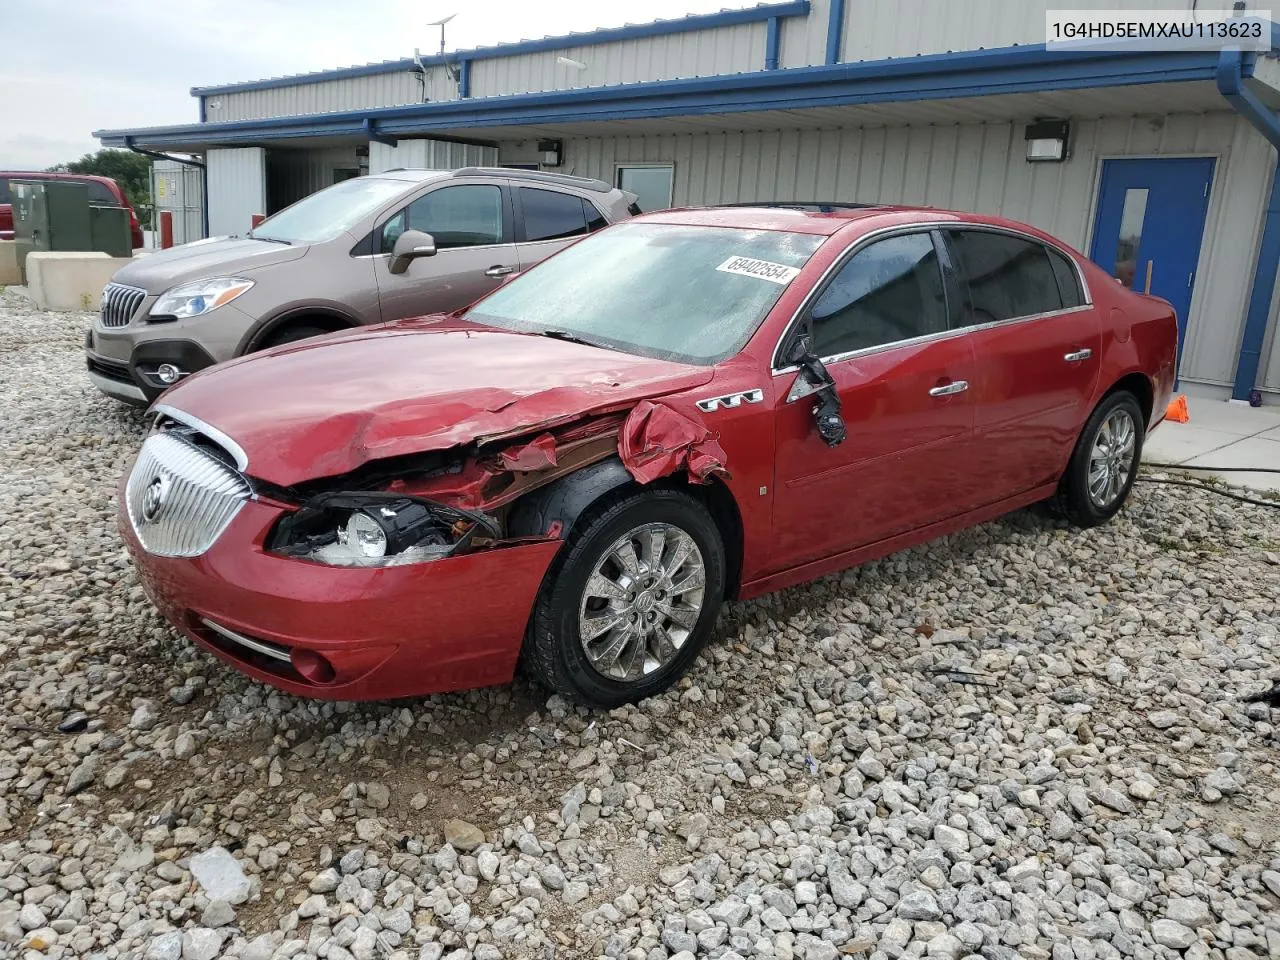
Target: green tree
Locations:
point(131, 170)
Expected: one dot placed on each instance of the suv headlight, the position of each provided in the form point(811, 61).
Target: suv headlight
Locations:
point(194, 299)
point(375, 530)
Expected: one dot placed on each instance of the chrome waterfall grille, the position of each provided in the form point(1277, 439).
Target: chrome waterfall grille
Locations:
point(120, 303)
point(180, 498)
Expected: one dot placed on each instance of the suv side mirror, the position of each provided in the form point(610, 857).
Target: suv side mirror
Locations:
point(411, 245)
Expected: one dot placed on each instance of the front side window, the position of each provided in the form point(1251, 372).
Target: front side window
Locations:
point(469, 215)
point(5, 196)
point(887, 292)
point(549, 215)
point(651, 183)
point(676, 292)
point(1007, 276)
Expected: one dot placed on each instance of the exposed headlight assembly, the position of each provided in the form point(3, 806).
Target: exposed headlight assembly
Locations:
point(198, 298)
point(375, 530)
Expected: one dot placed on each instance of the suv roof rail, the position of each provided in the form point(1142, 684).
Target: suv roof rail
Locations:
point(539, 176)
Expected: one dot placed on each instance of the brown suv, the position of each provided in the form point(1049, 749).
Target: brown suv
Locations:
point(375, 248)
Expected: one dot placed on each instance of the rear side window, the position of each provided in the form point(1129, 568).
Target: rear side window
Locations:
point(595, 219)
point(1007, 276)
point(888, 292)
point(552, 216)
point(100, 194)
point(5, 196)
point(1068, 279)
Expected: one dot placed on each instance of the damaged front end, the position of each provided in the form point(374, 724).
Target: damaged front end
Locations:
point(376, 529)
point(426, 507)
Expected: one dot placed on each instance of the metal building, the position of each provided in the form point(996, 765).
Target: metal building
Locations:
point(899, 101)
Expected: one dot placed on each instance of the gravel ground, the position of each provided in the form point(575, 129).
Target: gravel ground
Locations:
point(1021, 741)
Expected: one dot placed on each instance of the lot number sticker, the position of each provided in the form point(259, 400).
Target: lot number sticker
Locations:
point(778, 273)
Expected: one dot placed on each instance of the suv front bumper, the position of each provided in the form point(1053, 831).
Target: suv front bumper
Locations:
point(126, 369)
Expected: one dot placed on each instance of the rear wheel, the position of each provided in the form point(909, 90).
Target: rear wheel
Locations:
point(632, 601)
point(1105, 462)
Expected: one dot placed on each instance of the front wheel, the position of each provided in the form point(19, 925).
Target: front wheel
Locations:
point(632, 600)
point(1105, 462)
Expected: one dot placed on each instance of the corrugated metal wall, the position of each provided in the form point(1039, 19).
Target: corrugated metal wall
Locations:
point(179, 189)
point(430, 155)
point(237, 188)
point(876, 29)
point(354, 93)
point(699, 53)
point(292, 174)
point(982, 167)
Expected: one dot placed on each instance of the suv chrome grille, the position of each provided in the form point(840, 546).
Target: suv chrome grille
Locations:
point(180, 498)
point(120, 303)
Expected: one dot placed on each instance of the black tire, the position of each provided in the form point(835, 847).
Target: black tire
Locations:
point(553, 650)
point(1074, 500)
point(291, 333)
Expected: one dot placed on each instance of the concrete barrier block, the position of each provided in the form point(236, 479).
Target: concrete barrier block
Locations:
point(10, 276)
point(70, 281)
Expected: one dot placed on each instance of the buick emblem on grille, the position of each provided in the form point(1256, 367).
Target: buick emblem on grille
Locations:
point(153, 501)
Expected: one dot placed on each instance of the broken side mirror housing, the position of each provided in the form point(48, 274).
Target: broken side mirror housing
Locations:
point(799, 350)
point(411, 245)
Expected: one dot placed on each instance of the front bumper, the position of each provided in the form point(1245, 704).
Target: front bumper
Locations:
point(341, 633)
point(134, 380)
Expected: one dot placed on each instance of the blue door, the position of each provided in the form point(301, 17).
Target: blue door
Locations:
point(1149, 226)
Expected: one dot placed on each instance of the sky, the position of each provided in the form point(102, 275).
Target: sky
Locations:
point(87, 65)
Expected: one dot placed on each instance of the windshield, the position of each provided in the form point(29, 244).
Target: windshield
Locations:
point(686, 293)
point(324, 215)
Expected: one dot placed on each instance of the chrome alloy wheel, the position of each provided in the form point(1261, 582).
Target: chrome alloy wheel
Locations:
point(642, 601)
point(1111, 460)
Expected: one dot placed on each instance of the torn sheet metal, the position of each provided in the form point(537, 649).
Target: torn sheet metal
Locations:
point(538, 454)
point(658, 440)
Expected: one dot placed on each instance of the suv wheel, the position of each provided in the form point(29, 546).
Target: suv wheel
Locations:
point(292, 333)
point(632, 602)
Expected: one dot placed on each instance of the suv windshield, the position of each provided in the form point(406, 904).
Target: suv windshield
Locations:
point(324, 215)
point(686, 293)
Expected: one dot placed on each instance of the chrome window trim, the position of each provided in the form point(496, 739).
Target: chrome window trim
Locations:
point(439, 252)
point(852, 249)
point(212, 432)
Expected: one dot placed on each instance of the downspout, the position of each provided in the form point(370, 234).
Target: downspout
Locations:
point(835, 30)
point(204, 178)
point(1245, 102)
point(771, 44)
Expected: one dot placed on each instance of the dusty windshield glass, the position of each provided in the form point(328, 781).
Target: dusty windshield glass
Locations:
point(324, 215)
point(687, 293)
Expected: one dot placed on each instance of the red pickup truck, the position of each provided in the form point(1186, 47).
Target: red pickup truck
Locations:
point(103, 191)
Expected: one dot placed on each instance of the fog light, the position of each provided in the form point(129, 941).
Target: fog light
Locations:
point(168, 373)
point(313, 666)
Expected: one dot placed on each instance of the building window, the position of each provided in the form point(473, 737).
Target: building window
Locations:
point(650, 182)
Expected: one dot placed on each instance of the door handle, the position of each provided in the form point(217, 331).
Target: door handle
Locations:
point(1078, 355)
point(499, 271)
point(947, 389)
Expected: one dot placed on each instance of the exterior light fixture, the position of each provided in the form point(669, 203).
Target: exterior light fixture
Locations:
point(1047, 141)
point(549, 152)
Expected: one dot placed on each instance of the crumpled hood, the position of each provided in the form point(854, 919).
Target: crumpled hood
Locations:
point(324, 407)
point(223, 257)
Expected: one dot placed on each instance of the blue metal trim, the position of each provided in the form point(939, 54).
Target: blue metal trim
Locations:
point(1021, 69)
point(1230, 79)
point(660, 28)
point(464, 79)
point(835, 30)
point(371, 133)
point(771, 44)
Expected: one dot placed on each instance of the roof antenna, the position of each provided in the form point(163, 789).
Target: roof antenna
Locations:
point(451, 67)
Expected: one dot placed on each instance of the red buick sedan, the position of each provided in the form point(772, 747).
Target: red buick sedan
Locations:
point(577, 470)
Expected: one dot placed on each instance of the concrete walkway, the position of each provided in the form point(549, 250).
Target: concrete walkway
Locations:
point(1221, 434)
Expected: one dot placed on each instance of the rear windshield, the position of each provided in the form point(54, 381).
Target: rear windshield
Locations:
point(687, 293)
